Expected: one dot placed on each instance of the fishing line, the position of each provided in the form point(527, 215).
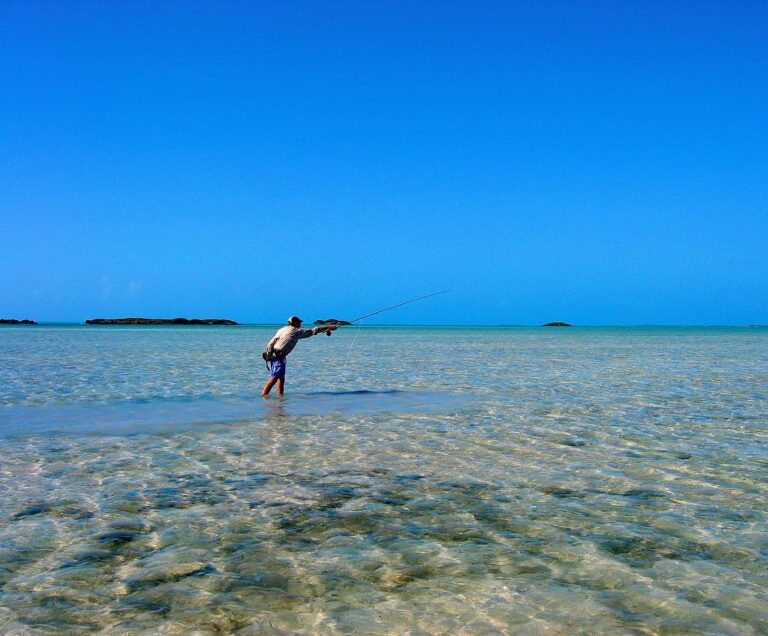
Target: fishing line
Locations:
point(357, 333)
point(352, 344)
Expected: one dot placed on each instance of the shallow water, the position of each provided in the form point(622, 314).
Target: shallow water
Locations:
point(414, 480)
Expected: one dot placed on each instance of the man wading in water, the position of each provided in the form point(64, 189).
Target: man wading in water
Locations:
point(280, 346)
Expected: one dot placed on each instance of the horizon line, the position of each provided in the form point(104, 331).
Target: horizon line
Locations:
point(507, 325)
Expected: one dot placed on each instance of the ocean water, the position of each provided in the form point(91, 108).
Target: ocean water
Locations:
point(412, 481)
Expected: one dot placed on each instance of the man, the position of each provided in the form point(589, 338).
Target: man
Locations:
point(281, 345)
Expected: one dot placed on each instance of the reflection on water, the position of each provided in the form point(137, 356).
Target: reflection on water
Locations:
point(592, 483)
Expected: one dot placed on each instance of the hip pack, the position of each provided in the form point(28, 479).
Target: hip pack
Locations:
point(269, 356)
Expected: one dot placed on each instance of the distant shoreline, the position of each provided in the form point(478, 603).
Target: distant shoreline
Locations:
point(62, 323)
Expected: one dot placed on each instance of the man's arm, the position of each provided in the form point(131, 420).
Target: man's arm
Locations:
point(308, 333)
point(271, 344)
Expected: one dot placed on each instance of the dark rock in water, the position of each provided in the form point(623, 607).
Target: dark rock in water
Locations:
point(13, 321)
point(33, 510)
point(557, 324)
point(643, 494)
point(168, 573)
point(532, 567)
point(129, 525)
point(117, 538)
point(389, 501)
point(332, 321)
point(561, 492)
point(89, 556)
point(160, 321)
point(409, 477)
point(257, 479)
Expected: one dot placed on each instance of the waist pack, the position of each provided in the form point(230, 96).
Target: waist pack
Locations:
point(269, 356)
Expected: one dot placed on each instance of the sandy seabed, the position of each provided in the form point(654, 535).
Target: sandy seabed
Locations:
point(414, 481)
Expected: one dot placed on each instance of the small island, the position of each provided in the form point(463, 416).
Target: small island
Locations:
point(557, 324)
point(160, 321)
point(332, 321)
point(13, 321)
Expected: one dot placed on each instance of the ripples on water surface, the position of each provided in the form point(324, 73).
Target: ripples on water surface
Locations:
point(422, 481)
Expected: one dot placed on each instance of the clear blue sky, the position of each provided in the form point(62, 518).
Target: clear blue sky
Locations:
point(594, 162)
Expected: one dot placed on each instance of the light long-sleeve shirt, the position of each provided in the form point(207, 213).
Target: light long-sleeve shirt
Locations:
point(286, 338)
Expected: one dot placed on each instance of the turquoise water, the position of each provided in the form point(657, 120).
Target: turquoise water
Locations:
point(413, 481)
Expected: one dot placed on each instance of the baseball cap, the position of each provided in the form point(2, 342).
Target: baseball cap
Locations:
point(293, 319)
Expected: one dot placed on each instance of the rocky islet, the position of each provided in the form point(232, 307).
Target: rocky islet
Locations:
point(160, 321)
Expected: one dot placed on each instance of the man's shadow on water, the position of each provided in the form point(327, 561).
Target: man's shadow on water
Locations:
point(276, 406)
point(358, 392)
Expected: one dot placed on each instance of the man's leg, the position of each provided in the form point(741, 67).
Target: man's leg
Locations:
point(276, 376)
point(268, 386)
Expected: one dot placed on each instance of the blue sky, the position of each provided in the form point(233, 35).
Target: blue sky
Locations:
point(594, 162)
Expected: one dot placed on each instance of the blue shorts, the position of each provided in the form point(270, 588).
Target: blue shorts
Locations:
point(277, 368)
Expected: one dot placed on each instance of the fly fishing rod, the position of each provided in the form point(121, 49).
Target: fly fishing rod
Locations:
point(381, 311)
point(407, 302)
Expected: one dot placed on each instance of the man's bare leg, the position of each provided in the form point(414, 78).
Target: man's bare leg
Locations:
point(268, 386)
point(280, 386)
